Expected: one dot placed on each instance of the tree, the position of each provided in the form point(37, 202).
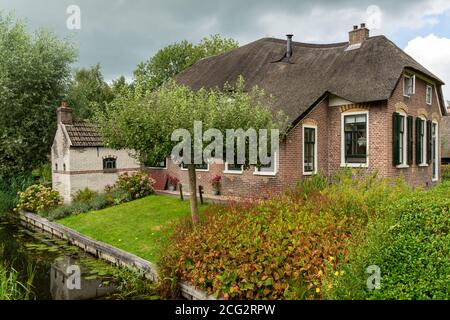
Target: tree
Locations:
point(34, 73)
point(88, 92)
point(145, 124)
point(175, 58)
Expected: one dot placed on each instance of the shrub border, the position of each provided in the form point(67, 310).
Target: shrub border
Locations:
point(106, 252)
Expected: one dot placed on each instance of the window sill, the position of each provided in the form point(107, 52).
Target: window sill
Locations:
point(156, 168)
point(267, 174)
point(423, 165)
point(434, 180)
point(233, 172)
point(309, 173)
point(354, 165)
point(402, 166)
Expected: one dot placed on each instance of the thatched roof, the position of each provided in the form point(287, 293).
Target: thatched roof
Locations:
point(84, 134)
point(369, 73)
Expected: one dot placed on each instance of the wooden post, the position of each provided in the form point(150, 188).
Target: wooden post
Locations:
point(181, 191)
point(200, 191)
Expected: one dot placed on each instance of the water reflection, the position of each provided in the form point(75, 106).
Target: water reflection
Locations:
point(66, 283)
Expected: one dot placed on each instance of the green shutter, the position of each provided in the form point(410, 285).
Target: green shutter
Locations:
point(418, 144)
point(395, 138)
point(429, 141)
point(410, 146)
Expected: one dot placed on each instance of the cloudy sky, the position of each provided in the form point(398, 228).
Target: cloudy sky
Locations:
point(121, 33)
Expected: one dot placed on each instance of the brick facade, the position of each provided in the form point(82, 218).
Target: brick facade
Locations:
point(328, 120)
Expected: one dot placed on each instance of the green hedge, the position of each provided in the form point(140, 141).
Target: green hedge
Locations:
point(410, 242)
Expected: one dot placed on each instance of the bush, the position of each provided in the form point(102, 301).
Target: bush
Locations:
point(86, 195)
point(280, 248)
point(97, 203)
point(410, 242)
point(38, 199)
point(9, 190)
point(138, 184)
point(445, 172)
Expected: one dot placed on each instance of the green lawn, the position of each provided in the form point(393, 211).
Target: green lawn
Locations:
point(139, 227)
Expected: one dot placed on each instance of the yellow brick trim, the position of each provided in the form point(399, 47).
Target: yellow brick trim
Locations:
point(310, 122)
point(401, 107)
point(355, 107)
point(422, 112)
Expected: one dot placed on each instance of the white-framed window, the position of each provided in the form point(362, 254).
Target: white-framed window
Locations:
point(421, 141)
point(402, 147)
point(355, 139)
point(309, 149)
point(233, 168)
point(429, 95)
point(268, 170)
point(409, 85)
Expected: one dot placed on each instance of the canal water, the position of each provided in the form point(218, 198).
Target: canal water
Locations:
point(62, 271)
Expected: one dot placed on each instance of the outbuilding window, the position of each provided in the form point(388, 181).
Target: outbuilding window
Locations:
point(421, 142)
point(109, 163)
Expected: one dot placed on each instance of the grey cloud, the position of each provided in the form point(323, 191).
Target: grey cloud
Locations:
point(119, 34)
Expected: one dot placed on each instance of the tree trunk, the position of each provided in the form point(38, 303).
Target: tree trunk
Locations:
point(193, 189)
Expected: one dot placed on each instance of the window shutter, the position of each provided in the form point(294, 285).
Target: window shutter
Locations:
point(429, 141)
point(413, 79)
point(395, 138)
point(410, 146)
point(418, 145)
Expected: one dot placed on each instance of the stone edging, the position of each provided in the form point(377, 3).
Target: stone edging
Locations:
point(106, 252)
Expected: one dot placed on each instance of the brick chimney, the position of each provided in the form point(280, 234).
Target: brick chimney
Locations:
point(64, 114)
point(358, 35)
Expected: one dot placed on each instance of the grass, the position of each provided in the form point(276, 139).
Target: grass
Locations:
point(139, 227)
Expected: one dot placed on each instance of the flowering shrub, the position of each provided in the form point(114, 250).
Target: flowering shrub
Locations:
point(173, 181)
point(280, 248)
point(445, 172)
point(38, 199)
point(216, 182)
point(137, 185)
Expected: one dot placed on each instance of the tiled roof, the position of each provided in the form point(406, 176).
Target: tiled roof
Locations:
point(84, 134)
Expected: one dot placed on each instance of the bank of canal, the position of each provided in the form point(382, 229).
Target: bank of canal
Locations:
point(56, 263)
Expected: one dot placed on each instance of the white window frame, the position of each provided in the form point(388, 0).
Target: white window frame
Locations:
point(430, 90)
point(269, 173)
point(437, 160)
point(413, 79)
point(355, 165)
point(404, 163)
point(227, 171)
point(423, 162)
point(305, 173)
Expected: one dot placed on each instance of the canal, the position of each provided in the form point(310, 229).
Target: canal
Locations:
point(64, 272)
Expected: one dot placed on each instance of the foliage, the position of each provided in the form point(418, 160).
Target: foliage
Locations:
point(279, 248)
point(96, 202)
point(38, 199)
point(11, 288)
point(9, 189)
point(409, 241)
point(175, 58)
point(215, 182)
point(85, 195)
point(43, 174)
point(34, 72)
point(445, 172)
point(137, 185)
point(88, 92)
